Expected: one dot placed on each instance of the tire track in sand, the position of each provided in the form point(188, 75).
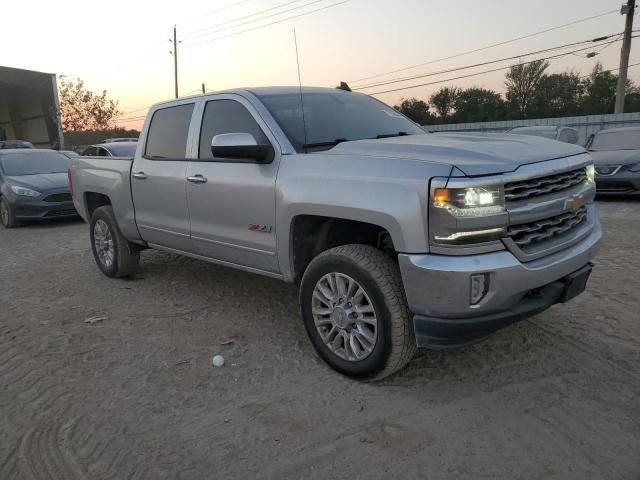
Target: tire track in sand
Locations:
point(41, 454)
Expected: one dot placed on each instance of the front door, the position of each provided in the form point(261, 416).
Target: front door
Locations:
point(232, 202)
point(158, 179)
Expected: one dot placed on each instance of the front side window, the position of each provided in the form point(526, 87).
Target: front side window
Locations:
point(334, 116)
point(227, 116)
point(168, 131)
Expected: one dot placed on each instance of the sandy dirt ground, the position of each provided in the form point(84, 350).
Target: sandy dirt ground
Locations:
point(132, 394)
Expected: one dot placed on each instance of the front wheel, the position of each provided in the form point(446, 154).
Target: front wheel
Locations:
point(115, 256)
point(7, 217)
point(355, 312)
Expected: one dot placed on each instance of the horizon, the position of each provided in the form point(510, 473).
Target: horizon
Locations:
point(335, 41)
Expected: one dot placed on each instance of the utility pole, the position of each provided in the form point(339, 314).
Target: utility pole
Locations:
point(175, 58)
point(629, 10)
point(203, 89)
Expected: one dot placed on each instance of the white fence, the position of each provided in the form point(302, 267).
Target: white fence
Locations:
point(585, 125)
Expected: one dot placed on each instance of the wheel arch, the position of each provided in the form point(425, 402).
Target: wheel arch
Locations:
point(310, 235)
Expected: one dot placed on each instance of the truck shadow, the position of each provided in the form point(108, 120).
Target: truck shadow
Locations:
point(265, 313)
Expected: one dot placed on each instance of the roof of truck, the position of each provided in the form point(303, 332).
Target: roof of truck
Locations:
point(259, 91)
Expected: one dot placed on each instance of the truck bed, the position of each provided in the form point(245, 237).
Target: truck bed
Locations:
point(109, 177)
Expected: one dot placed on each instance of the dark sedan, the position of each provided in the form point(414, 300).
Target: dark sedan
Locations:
point(114, 149)
point(33, 186)
point(616, 154)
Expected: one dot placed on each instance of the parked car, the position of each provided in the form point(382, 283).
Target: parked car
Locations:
point(552, 132)
point(69, 153)
point(616, 153)
point(5, 144)
point(396, 238)
point(117, 140)
point(117, 149)
point(33, 186)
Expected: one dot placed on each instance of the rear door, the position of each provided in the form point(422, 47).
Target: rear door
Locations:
point(158, 178)
point(233, 210)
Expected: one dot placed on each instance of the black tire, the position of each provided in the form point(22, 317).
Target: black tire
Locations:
point(380, 277)
point(7, 217)
point(126, 256)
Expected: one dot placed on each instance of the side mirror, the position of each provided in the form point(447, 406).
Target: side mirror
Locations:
point(589, 141)
point(242, 146)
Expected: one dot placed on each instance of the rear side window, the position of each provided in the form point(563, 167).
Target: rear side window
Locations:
point(167, 137)
point(227, 116)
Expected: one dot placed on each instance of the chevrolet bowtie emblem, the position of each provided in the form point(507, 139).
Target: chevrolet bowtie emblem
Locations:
point(574, 202)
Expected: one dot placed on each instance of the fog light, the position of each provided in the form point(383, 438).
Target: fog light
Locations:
point(479, 287)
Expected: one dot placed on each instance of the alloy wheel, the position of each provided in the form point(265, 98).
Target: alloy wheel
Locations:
point(103, 243)
point(344, 317)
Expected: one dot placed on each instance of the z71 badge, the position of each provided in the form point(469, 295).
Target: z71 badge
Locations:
point(257, 227)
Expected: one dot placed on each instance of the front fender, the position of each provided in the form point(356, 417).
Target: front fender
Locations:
point(389, 193)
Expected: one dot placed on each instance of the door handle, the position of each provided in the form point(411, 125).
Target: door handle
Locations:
point(197, 179)
point(140, 175)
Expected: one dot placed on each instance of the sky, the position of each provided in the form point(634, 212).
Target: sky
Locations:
point(123, 46)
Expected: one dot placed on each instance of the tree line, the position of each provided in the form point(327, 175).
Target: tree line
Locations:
point(530, 92)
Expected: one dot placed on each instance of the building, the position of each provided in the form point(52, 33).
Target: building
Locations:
point(29, 107)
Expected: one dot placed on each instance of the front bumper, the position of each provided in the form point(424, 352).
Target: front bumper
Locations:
point(438, 289)
point(29, 208)
point(624, 182)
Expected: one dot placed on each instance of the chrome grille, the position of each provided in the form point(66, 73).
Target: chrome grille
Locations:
point(536, 187)
point(529, 234)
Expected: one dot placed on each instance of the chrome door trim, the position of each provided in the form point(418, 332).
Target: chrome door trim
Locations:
point(162, 230)
point(232, 245)
point(218, 262)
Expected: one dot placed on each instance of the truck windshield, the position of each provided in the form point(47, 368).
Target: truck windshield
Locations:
point(332, 117)
point(16, 164)
point(629, 140)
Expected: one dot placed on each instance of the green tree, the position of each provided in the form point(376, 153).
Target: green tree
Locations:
point(81, 109)
point(477, 104)
point(442, 101)
point(558, 95)
point(416, 110)
point(522, 84)
point(632, 101)
point(600, 91)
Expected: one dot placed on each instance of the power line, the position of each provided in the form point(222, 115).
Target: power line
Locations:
point(455, 69)
point(233, 20)
point(221, 9)
point(478, 73)
point(268, 24)
point(581, 20)
point(255, 20)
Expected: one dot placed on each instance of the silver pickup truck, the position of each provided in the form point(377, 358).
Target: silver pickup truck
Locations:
point(397, 238)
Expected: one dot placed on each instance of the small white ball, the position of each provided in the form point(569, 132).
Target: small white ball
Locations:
point(218, 361)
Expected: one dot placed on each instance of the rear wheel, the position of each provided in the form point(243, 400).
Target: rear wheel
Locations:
point(7, 217)
point(115, 256)
point(355, 312)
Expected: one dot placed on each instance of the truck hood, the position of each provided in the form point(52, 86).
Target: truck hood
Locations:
point(616, 157)
point(473, 153)
point(44, 182)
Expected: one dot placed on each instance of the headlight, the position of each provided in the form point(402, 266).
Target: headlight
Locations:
point(591, 173)
point(27, 192)
point(470, 202)
point(635, 168)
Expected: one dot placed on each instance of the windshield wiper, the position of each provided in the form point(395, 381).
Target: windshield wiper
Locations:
point(389, 135)
point(331, 143)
